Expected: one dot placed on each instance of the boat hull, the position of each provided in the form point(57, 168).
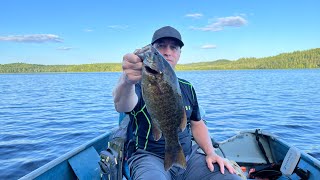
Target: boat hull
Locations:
point(82, 163)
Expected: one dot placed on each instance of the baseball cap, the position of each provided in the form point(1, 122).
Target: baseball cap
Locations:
point(167, 32)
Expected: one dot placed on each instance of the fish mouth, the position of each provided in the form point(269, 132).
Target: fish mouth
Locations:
point(150, 70)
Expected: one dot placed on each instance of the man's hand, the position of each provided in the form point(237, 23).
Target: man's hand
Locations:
point(132, 68)
point(214, 158)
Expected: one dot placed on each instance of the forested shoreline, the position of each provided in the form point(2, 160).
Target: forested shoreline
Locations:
point(294, 60)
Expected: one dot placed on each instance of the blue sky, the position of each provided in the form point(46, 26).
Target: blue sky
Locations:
point(82, 32)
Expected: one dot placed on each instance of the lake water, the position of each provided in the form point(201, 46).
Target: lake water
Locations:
point(43, 116)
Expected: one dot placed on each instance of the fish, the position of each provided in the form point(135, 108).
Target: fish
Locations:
point(163, 99)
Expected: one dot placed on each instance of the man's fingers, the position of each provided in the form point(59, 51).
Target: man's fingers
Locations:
point(133, 76)
point(131, 62)
point(131, 58)
point(132, 66)
point(210, 165)
point(230, 168)
point(221, 164)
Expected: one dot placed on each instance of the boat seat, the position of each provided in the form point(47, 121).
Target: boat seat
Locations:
point(85, 164)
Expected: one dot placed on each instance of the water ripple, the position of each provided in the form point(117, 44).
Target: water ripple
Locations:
point(43, 116)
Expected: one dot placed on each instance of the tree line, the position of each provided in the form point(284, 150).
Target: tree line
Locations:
point(294, 60)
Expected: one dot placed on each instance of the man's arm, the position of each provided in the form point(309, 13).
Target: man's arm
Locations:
point(124, 95)
point(202, 137)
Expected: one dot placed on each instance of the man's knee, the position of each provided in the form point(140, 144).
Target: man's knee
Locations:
point(150, 174)
point(146, 166)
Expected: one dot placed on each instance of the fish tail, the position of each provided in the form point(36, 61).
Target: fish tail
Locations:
point(176, 158)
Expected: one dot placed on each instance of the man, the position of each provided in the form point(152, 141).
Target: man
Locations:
point(147, 161)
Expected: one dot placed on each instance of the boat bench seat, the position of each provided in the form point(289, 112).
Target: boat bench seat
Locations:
point(85, 164)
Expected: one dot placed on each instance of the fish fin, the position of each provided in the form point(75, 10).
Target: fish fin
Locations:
point(156, 132)
point(177, 159)
point(183, 123)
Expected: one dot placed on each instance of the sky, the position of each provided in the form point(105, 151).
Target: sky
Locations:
point(102, 31)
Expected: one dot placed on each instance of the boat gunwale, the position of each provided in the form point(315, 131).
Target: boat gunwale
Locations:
point(51, 164)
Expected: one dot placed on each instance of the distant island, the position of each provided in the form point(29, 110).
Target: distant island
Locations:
point(294, 60)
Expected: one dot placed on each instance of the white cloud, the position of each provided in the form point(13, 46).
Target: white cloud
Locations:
point(33, 38)
point(220, 23)
point(118, 26)
point(208, 46)
point(194, 15)
point(243, 15)
point(64, 48)
point(207, 28)
point(87, 30)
